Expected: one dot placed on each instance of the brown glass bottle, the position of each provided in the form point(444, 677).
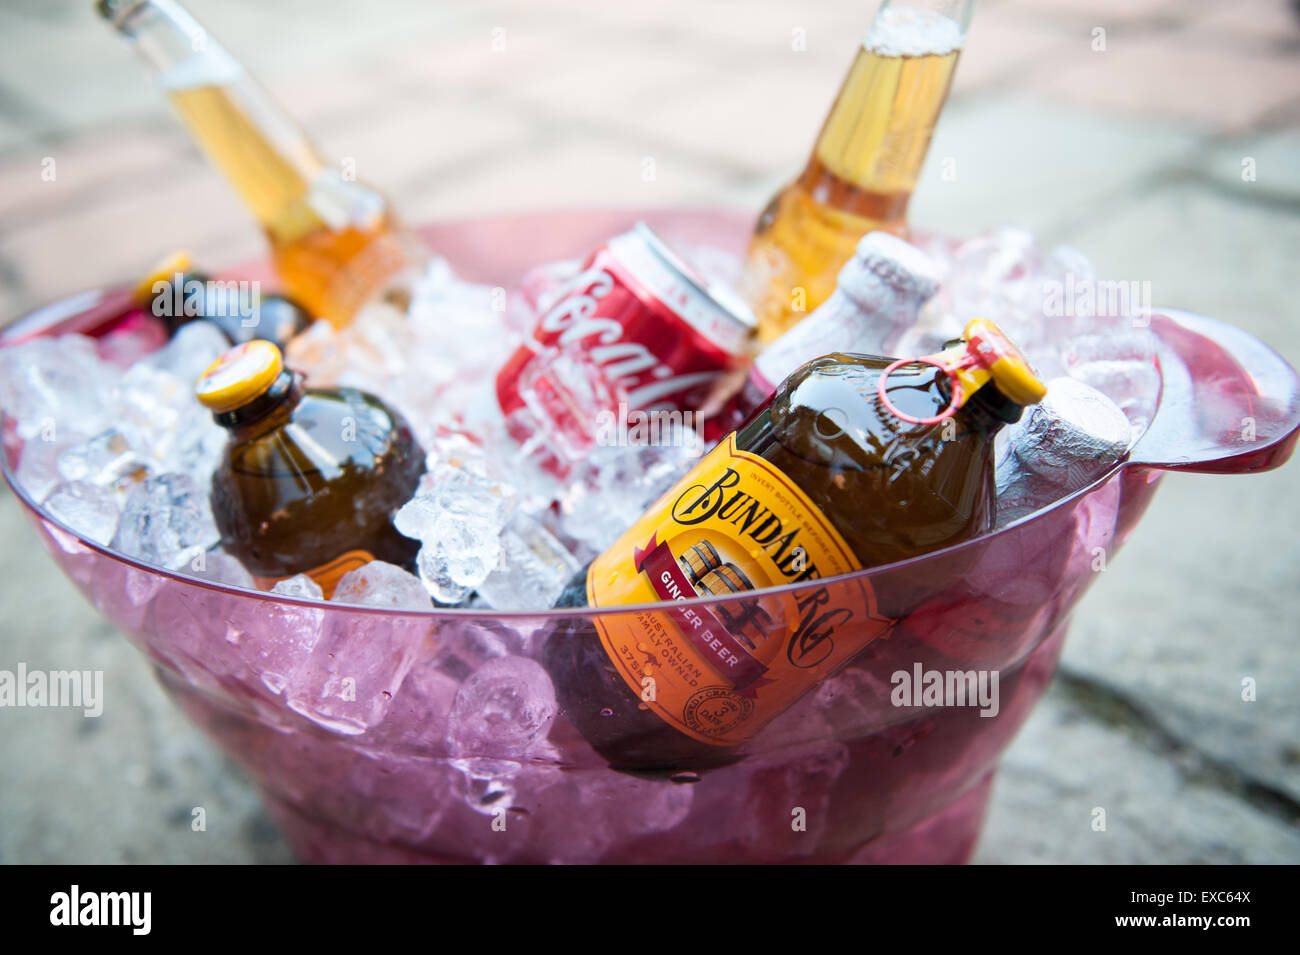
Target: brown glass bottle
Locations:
point(893, 490)
point(310, 479)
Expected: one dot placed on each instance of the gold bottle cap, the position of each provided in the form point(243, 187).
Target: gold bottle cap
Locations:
point(1006, 363)
point(239, 376)
point(165, 270)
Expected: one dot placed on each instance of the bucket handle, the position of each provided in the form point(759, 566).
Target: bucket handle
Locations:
point(1229, 404)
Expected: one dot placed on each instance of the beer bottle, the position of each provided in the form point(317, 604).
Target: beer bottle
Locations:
point(865, 163)
point(309, 479)
point(242, 314)
point(877, 297)
point(334, 241)
point(856, 461)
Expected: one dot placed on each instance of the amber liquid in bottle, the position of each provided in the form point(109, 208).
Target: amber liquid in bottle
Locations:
point(893, 490)
point(334, 240)
point(309, 476)
point(861, 173)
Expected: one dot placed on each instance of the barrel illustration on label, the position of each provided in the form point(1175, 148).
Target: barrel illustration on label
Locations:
point(856, 461)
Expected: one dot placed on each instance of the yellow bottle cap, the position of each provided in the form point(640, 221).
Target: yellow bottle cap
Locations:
point(164, 271)
point(239, 376)
point(1008, 365)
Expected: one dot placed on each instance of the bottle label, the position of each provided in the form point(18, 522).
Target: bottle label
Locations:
point(328, 574)
point(719, 672)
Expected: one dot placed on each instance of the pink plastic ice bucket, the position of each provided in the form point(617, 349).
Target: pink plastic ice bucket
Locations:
point(437, 738)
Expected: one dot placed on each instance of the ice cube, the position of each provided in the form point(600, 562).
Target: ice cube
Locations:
point(458, 516)
point(159, 417)
point(38, 471)
point(50, 386)
point(193, 347)
point(616, 485)
point(505, 707)
point(299, 585)
point(221, 568)
point(358, 665)
point(166, 521)
point(465, 643)
point(275, 640)
point(417, 720)
point(567, 396)
point(996, 274)
point(86, 508)
point(370, 354)
point(380, 584)
point(487, 786)
point(533, 569)
point(106, 459)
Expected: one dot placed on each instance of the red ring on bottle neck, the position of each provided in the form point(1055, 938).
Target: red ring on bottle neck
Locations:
point(944, 415)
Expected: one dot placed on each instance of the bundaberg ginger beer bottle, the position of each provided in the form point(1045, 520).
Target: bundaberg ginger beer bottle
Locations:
point(865, 163)
point(335, 242)
point(854, 462)
point(310, 479)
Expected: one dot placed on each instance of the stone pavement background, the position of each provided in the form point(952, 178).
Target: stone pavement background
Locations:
point(1133, 154)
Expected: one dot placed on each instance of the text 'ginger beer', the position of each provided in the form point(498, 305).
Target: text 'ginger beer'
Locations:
point(865, 163)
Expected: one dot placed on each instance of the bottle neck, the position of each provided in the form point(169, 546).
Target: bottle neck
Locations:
point(268, 410)
point(988, 410)
point(870, 150)
point(265, 155)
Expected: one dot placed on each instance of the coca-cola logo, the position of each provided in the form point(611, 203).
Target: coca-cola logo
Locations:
point(570, 320)
point(574, 321)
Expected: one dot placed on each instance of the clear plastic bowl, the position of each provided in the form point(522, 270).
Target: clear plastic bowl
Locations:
point(441, 743)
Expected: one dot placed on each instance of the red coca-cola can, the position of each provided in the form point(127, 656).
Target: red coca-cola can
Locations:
point(634, 332)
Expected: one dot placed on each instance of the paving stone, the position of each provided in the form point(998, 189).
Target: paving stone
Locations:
point(408, 149)
point(1064, 765)
point(1100, 11)
point(1198, 601)
point(762, 117)
point(70, 72)
point(114, 239)
point(602, 82)
point(584, 170)
point(1022, 160)
point(1274, 162)
point(1004, 43)
point(1220, 89)
point(64, 178)
point(1271, 24)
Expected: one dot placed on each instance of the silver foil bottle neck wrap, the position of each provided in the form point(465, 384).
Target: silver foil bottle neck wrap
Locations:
point(887, 274)
point(1073, 435)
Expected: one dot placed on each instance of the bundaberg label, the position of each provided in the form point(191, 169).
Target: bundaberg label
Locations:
point(734, 525)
